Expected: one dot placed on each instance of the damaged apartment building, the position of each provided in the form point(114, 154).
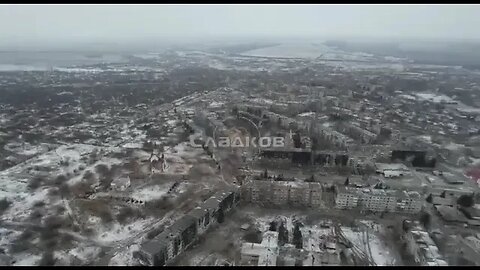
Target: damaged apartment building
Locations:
point(307, 156)
point(319, 248)
point(259, 114)
point(378, 200)
point(283, 192)
point(165, 247)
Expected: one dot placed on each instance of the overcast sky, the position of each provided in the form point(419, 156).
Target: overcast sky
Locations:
point(51, 23)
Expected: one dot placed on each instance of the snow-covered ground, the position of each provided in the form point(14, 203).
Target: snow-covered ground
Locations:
point(91, 168)
point(434, 97)
point(152, 192)
point(409, 97)
point(306, 114)
point(22, 207)
point(79, 70)
point(28, 260)
point(183, 150)
point(7, 236)
point(117, 232)
point(133, 145)
point(453, 146)
point(290, 51)
point(221, 66)
point(85, 253)
point(124, 257)
point(475, 161)
point(73, 161)
point(215, 104)
point(65, 160)
point(381, 253)
point(263, 101)
point(26, 149)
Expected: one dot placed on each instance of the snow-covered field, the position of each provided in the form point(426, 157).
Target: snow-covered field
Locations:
point(409, 97)
point(91, 168)
point(82, 216)
point(183, 150)
point(71, 161)
point(115, 232)
point(290, 51)
point(26, 149)
point(79, 70)
point(65, 160)
point(84, 253)
point(434, 98)
point(152, 192)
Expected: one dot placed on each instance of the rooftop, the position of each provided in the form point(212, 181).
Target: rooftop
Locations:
point(449, 213)
point(379, 192)
point(266, 252)
point(428, 249)
point(391, 167)
point(270, 239)
point(152, 247)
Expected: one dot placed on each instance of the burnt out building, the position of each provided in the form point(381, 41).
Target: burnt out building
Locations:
point(417, 158)
point(306, 156)
point(332, 159)
point(295, 155)
point(302, 157)
point(284, 193)
point(165, 247)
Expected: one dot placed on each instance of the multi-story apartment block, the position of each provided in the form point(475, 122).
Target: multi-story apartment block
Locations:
point(284, 192)
point(378, 200)
point(170, 243)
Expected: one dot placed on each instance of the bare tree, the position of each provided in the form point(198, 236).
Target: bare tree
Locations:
point(81, 189)
point(35, 182)
point(102, 169)
point(60, 180)
point(89, 177)
point(4, 205)
point(127, 213)
point(64, 190)
point(47, 259)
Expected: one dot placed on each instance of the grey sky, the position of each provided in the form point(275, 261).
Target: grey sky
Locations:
point(43, 23)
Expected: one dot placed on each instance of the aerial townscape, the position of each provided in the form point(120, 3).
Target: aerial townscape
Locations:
point(273, 153)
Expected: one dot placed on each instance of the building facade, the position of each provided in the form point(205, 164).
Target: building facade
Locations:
point(284, 192)
point(378, 200)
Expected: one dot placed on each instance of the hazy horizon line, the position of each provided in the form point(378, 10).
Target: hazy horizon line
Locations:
point(73, 43)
